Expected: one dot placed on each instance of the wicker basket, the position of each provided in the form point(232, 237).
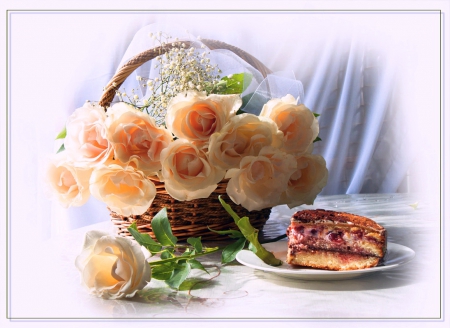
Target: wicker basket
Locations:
point(187, 218)
point(191, 218)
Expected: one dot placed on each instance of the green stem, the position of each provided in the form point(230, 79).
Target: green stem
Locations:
point(174, 259)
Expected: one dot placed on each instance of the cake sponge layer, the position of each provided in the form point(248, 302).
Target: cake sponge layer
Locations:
point(330, 260)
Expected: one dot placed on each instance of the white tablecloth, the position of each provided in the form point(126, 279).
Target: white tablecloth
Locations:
point(46, 284)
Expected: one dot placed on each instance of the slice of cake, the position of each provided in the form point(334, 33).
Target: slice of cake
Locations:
point(334, 240)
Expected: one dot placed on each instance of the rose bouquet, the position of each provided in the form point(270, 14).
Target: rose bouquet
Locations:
point(184, 159)
point(187, 140)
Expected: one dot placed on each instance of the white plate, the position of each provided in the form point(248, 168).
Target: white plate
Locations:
point(395, 255)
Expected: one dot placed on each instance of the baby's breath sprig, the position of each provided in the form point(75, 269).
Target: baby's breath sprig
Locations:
point(181, 68)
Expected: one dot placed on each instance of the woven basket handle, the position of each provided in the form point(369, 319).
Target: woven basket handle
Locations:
point(143, 57)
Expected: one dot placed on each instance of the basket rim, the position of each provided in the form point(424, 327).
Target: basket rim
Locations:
point(160, 186)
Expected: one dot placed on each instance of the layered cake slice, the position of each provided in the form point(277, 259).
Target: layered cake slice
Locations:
point(334, 240)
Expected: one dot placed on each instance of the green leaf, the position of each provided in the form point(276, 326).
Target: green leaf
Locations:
point(252, 248)
point(231, 233)
point(229, 210)
point(180, 274)
point(144, 239)
point(163, 271)
point(196, 265)
point(236, 83)
point(317, 139)
point(219, 87)
point(192, 284)
point(316, 115)
point(230, 251)
point(62, 134)
point(188, 252)
point(251, 234)
point(183, 258)
point(62, 148)
point(245, 101)
point(253, 103)
point(161, 228)
point(167, 254)
point(246, 80)
point(196, 242)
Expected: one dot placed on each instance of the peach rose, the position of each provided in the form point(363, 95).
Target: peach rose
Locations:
point(67, 183)
point(125, 190)
point(136, 138)
point(297, 123)
point(195, 116)
point(112, 267)
point(260, 180)
point(306, 182)
point(86, 141)
point(244, 135)
point(186, 172)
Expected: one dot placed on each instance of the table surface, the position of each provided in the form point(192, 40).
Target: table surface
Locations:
point(52, 288)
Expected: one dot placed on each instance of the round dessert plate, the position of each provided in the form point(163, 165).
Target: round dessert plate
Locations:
point(395, 255)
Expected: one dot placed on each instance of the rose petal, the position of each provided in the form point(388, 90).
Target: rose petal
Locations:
point(85, 140)
point(297, 123)
point(187, 172)
point(126, 191)
point(244, 135)
point(260, 180)
point(112, 267)
point(195, 116)
point(136, 138)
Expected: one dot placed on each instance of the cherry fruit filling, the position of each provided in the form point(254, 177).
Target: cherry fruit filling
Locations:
point(335, 236)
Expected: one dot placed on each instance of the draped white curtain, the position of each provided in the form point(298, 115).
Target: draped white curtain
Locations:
point(350, 67)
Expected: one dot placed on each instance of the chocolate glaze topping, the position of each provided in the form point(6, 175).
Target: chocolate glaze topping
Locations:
point(324, 216)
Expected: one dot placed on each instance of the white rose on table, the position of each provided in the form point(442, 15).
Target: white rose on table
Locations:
point(260, 180)
point(194, 116)
point(186, 172)
point(297, 123)
point(112, 267)
point(124, 190)
point(136, 138)
point(67, 184)
point(86, 140)
point(306, 182)
point(244, 135)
